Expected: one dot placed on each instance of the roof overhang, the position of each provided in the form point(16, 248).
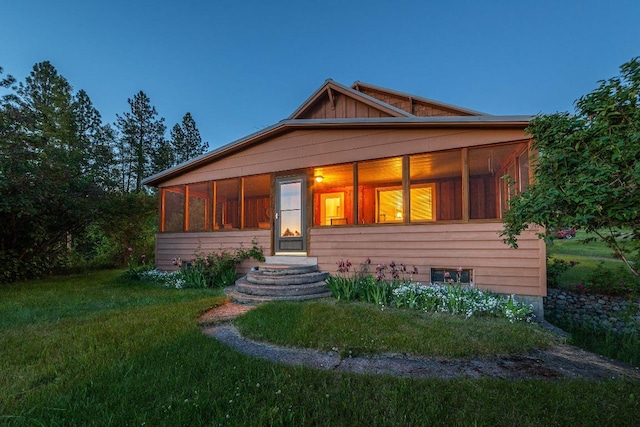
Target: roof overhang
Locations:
point(284, 126)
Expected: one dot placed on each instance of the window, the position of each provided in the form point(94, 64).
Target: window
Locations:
point(452, 275)
point(523, 171)
point(436, 186)
point(199, 206)
point(257, 201)
point(227, 197)
point(380, 191)
point(173, 209)
point(333, 195)
point(423, 202)
point(389, 205)
point(488, 192)
point(332, 209)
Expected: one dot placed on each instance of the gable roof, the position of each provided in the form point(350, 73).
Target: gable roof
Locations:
point(414, 104)
point(388, 116)
point(330, 90)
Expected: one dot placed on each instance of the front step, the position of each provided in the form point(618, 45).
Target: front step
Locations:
point(245, 287)
point(275, 281)
point(256, 299)
point(260, 278)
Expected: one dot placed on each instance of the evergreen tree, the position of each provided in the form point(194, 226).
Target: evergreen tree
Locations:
point(186, 140)
point(97, 139)
point(163, 157)
point(141, 137)
point(47, 191)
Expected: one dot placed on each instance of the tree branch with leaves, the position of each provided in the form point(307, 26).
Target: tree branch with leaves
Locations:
point(587, 172)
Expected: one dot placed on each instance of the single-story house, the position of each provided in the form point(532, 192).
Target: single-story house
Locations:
point(363, 172)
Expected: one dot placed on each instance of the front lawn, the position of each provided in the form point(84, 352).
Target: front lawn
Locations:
point(91, 350)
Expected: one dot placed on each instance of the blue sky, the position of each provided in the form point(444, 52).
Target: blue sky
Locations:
point(239, 66)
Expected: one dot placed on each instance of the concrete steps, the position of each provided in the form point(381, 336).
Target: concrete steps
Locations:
point(277, 281)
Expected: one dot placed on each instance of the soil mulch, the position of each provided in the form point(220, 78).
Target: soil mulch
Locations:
point(556, 363)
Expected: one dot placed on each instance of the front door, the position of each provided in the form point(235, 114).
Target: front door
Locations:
point(290, 227)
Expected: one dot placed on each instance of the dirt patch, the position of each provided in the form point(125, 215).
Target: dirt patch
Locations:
point(558, 362)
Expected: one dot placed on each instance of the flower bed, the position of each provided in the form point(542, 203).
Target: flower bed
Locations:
point(401, 292)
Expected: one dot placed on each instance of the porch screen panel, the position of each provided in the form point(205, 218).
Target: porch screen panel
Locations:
point(379, 191)
point(173, 209)
point(200, 206)
point(436, 186)
point(227, 201)
point(489, 193)
point(333, 195)
point(257, 201)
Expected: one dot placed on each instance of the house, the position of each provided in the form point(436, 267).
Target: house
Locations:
point(363, 172)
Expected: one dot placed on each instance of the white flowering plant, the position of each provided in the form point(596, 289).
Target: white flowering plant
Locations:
point(399, 292)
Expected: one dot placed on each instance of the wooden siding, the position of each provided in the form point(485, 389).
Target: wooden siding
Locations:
point(472, 245)
point(341, 107)
point(308, 148)
point(412, 106)
point(477, 246)
point(187, 245)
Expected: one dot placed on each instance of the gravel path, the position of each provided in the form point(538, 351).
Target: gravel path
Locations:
point(558, 362)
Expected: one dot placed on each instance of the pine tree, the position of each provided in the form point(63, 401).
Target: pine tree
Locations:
point(141, 137)
point(48, 193)
point(97, 139)
point(186, 140)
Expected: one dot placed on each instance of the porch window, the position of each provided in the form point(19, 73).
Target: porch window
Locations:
point(489, 193)
point(199, 206)
point(333, 195)
point(256, 201)
point(173, 199)
point(523, 171)
point(380, 191)
point(436, 186)
point(227, 209)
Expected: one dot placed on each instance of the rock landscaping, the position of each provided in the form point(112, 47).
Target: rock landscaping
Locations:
point(600, 312)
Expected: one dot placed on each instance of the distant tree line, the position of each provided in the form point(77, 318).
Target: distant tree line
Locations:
point(71, 192)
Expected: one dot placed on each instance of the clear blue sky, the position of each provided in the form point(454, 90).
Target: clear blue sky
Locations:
point(239, 66)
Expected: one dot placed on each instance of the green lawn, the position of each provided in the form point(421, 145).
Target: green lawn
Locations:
point(590, 257)
point(90, 350)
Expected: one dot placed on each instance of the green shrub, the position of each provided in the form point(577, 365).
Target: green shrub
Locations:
point(556, 267)
point(617, 281)
point(217, 269)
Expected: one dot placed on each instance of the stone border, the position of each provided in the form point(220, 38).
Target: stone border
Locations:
point(603, 312)
point(556, 363)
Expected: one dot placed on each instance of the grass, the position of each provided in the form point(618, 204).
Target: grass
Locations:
point(90, 350)
point(361, 328)
point(596, 262)
point(590, 256)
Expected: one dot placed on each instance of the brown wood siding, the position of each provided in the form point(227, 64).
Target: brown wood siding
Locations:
point(309, 148)
point(475, 245)
point(413, 106)
point(187, 245)
point(343, 107)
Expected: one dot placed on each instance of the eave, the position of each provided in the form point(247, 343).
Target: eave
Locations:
point(282, 127)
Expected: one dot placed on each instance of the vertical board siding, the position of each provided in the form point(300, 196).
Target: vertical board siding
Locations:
point(474, 245)
point(188, 245)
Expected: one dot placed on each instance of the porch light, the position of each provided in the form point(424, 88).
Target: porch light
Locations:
point(319, 178)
